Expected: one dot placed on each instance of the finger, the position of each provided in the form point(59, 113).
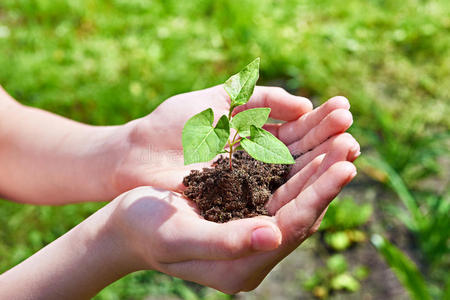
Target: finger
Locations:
point(316, 225)
point(343, 148)
point(201, 239)
point(170, 178)
point(283, 105)
point(345, 139)
point(295, 130)
point(336, 122)
point(272, 128)
point(297, 217)
point(293, 186)
point(340, 148)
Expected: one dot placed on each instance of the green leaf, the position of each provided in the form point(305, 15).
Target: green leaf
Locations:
point(337, 240)
point(337, 264)
point(345, 282)
point(312, 281)
point(201, 141)
point(405, 269)
point(340, 214)
point(243, 120)
point(240, 86)
point(361, 272)
point(399, 186)
point(265, 147)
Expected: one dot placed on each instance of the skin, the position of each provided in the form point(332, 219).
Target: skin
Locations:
point(47, 159)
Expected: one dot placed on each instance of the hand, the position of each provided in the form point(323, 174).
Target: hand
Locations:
point(163, 231)
point(148, 228)
point(154, 155)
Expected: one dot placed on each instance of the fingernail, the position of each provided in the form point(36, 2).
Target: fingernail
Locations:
point(265, 239)
point(356, 155)
point(351, 177)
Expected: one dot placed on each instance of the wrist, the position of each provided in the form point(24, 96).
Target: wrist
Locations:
point(123, 227)
point(104, 238)
point(132, 156)
point(107, 148)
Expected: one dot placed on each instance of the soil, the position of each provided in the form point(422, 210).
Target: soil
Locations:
point(223, 194)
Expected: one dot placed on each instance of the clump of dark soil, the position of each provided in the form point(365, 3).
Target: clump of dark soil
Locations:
point(222, 194)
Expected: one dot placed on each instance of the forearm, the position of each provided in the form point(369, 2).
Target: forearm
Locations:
point(76, 266)
point(47, 159)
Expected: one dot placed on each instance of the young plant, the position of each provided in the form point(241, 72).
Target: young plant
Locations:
point(202, 141)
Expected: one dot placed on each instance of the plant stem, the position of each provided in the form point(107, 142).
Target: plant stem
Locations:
point(231, 155)
point(234, 137)
point(229, 113)
point(231, 144)
point(235, 142)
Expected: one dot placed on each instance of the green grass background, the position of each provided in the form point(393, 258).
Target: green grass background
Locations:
point(108, 62)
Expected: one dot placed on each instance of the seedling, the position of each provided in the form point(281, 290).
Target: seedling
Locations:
point(202, 141)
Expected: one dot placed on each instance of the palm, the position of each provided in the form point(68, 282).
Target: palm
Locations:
point(207, 252)
point(156, 157)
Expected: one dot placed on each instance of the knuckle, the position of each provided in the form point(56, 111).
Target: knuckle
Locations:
point(309, 105)
point(280, 90)
point(232, 247)
point(298, 235)
point(296, 229)
point(341, 116)
point(345, 140)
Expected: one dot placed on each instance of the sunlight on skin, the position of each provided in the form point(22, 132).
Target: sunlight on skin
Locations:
point(151, 228)
point(304, 129)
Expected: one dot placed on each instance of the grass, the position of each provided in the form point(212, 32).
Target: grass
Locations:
point(108, 62)
point(404, 268)
point(426, 216)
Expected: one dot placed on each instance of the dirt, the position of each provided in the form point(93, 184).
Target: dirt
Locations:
point(223, 194)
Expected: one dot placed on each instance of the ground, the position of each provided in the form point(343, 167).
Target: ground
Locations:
point(108, 62)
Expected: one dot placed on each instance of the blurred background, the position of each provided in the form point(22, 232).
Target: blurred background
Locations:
point(108, 62)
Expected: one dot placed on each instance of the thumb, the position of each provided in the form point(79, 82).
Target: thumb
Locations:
point(201, 239)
